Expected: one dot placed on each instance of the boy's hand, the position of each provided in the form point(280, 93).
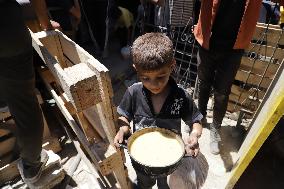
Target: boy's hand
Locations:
point(118, 139)
point(192, 146)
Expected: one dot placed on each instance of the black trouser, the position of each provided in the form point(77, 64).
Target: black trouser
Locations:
point(147, 182)
point(17, 81)
point(217, 70)
point(96, 12)
point(19, 94)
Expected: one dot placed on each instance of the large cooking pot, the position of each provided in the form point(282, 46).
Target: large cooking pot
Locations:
point(149, 170)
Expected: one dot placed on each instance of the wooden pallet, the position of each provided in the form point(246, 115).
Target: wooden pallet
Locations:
point(257, 70)
point(87, 107)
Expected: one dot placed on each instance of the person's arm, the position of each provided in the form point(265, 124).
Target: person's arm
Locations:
point(192, 117)
point(124, 130)
point(41, 12)
point(161, 3)
point(76, 11)
point(192, 145)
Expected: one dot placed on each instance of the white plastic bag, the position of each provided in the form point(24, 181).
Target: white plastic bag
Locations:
point(191, 174)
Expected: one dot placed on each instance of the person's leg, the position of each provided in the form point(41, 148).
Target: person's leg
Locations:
point(225, 74)
point(145, 182)
point(162, 183)
point(206, 74)
point(96, 12)
point(19, 94)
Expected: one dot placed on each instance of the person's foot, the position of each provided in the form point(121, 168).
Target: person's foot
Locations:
point(31, 174)
point(215, 138)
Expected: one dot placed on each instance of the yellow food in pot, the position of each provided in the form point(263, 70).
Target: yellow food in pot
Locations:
point(156, 149)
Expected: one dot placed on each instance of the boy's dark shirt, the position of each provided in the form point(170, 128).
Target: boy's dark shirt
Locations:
point(136, 105)
point(226, 25)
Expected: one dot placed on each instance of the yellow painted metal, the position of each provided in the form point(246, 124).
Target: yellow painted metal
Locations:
point(273, 110)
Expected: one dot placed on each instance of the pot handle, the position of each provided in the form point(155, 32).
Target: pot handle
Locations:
point(122, 146)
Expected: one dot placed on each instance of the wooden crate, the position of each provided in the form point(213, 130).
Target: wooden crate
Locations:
point(258, 69)
point(88, 108)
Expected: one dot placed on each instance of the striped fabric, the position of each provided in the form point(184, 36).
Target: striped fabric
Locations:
point(181, 12)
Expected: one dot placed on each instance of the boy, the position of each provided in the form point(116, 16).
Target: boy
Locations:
point(157, 101)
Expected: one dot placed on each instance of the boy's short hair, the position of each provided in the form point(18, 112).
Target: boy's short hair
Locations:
point(152, 51)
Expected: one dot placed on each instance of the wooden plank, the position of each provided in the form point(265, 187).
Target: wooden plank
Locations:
point(72, 51)
point(68, 105)
point(242, 99)
point(93, 117)
point(266, 51)
point(53, 46)
point(3, 131)
point(259, 67)
point(87, 128)
point(245, 103)
point(252, 79)
point(250, 92)
point(264, 121)
point(232, 107)
point(6, 159)
point(104, 109)
point(78, 82)
point(7, 145)
point(81, 86)
point(271, 36)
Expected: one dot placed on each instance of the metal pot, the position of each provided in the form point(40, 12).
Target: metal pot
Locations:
point(150, 170)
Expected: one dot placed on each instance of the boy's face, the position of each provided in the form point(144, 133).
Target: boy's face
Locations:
point(155, 81)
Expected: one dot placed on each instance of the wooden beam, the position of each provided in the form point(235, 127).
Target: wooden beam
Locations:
point(72, 51)
point(105, 109)
point(78, 82)
point(252, 79)
point(90, 133)
point(52, 43)
point(266, 51)
point(236, 90)
point(93, 117)
point(7, 145)
point(258, 67)
point(81, 86)
point(244, 102)
point(271, 36)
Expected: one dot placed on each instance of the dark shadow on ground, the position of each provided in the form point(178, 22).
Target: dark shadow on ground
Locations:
point(229, 144)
